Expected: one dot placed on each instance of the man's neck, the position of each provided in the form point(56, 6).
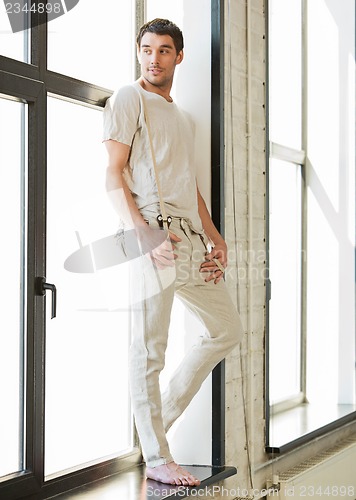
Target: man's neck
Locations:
point(162, 91)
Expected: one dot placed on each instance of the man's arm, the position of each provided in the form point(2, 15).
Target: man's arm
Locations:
point(123, 202)
point(117, 188)
point(219, 250)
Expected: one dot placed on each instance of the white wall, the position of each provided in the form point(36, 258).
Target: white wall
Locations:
point(190, 437)
point(192, 84)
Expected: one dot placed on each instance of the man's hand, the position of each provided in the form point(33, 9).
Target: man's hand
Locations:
point(158, 245)
point(216, 263)
point(163, 256)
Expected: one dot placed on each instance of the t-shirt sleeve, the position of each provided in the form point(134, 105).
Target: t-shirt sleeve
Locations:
point(121, 116)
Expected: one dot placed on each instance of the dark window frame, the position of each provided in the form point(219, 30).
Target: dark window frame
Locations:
point(217, 204)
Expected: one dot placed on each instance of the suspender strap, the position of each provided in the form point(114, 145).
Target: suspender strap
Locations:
point(158, 184)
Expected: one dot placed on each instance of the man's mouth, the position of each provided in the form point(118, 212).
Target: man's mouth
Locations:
point(155, 71)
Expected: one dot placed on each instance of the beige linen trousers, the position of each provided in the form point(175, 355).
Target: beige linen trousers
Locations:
point(152, 292)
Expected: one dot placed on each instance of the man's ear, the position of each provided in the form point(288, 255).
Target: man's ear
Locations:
point(180, 57)
point(138, 53)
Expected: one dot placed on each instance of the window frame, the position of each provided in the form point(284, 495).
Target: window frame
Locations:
point(217, 204)
point(32, 83)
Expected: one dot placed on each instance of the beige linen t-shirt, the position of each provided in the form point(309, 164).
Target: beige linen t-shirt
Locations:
point(172, 133)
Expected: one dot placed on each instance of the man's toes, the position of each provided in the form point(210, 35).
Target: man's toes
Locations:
point(189, 479)
point(185, 481)
point(194, 481)
point(180, 481)
point(172, 474)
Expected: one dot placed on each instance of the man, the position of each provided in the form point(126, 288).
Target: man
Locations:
point(180, 263)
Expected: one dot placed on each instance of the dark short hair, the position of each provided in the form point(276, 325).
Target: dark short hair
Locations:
point(162, 27)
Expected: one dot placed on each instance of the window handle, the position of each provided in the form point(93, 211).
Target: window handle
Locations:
point(41, 287)
point(268, 289)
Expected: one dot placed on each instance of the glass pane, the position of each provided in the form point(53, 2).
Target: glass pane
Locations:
point(331, 203)
point(13, 43)
point(285, 72)
point(88, 415)
point(12, 187)
point(285, 275)
point(100, 36)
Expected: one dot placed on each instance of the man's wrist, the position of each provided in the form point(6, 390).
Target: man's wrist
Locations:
point(218, 241)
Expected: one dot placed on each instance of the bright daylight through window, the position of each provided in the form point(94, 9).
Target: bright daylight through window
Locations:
point(311, 216)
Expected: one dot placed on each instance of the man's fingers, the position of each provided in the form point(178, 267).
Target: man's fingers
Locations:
point(215, 270)
point(163, 255)
point(218, 257)
point(212, 265)
point(219, 265)
point(174, 237)
point(161, 262)
point(216, 276)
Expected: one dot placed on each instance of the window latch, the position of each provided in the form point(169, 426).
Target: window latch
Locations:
point(42, 287)
point(268, 289)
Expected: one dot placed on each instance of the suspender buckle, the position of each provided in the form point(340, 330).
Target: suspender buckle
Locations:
point(161, 221)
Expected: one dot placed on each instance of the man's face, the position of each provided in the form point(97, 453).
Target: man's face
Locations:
point(158, 58)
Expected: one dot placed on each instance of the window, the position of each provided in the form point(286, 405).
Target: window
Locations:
point(88, 415)
point(13, 300)
point(60, 379)
point(311, 331)
point(77, 45)
point(285, 201)
point(285, 306)
point(14, 44)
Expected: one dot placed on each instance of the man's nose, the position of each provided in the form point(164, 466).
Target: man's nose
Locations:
point(154, 58)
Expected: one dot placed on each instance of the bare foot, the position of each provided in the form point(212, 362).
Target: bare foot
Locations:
point(172, 473)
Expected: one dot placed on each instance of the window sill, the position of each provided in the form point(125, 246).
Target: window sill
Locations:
point(292, 428)
point(133, 485)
